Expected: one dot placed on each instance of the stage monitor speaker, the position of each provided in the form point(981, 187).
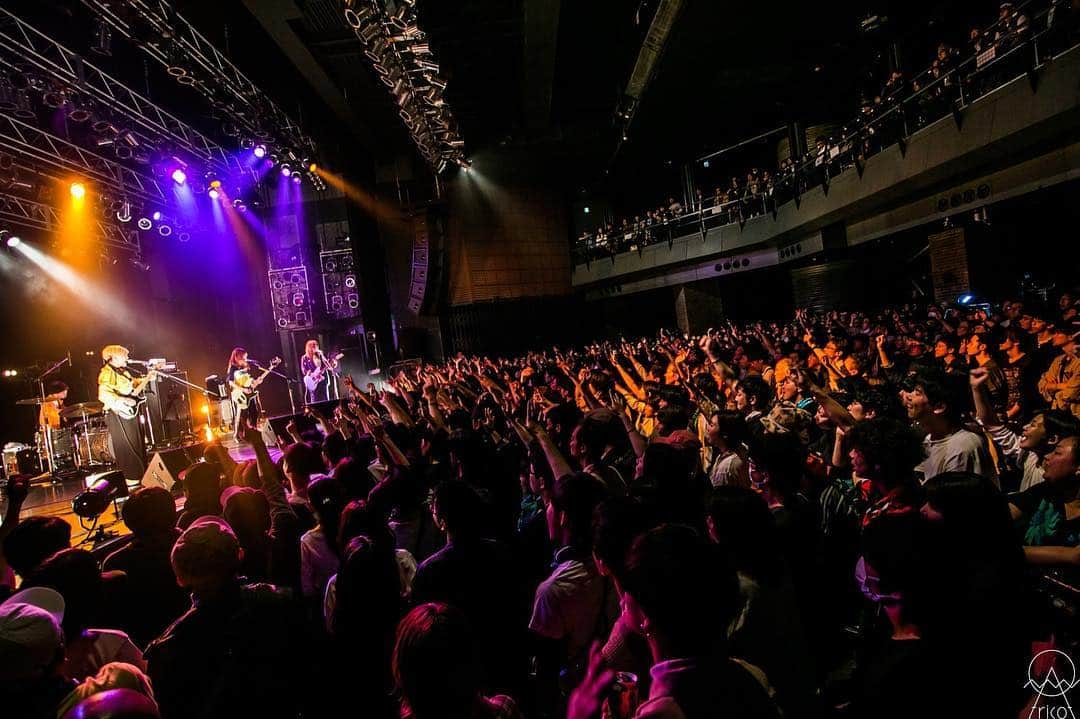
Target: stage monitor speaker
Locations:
point(163, 469)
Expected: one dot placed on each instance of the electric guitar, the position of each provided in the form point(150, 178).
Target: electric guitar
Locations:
point(128, 406)
point(312, 379)
point(245, 386)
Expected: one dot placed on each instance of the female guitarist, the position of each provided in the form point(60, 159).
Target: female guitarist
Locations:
point(244, 384)
point(120, 392)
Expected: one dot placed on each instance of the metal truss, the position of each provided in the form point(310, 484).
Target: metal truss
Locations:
point(148, 22)
point(19, 40)
point(35, 215)
point(18, 137)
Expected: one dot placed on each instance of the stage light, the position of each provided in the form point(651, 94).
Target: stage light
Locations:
point(164, 230)
point(101, 490)
point(144, 223)
point(297, 179)
point(705, 164)
point(102, 41)
point(242, 208)
point(260, 151)
point(178, 176)
point(965, 299)
point(78, 190)
point(156, 215)
point(215, 184)
point(214, 194)
point(586, 209)
point(13, 241)
point(138, 263)
point(183, 236)
point(124, 213)
point(313, 167)
point(285, 169)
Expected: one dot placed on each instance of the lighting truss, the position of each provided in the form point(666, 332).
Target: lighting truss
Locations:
point(35, 215)
point(17, 39)
point(19, 138)
point(164, 35)
point(399, 52)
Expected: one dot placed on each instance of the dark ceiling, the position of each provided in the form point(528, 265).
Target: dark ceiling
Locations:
point(547, 75)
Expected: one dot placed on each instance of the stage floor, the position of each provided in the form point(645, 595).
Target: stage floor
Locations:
point(53, 499)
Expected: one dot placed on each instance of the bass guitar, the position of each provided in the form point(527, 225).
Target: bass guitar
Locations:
point(312, 379)
point(245, 386)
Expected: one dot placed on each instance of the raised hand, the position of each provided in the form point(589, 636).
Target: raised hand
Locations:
point(978, 377)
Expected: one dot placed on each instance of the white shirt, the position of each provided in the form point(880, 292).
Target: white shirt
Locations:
point(961, 451)
point(732, 470)
point(1028, 462)
point(570, 602)
point(318, 562)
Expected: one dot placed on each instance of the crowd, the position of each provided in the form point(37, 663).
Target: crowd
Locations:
point(903, 105)
point(841, 515)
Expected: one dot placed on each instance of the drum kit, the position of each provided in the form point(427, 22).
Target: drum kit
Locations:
point(84, 444)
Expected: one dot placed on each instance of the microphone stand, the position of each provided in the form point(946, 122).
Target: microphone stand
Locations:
point(289, 382)
point(333, 372)
point(47, 429)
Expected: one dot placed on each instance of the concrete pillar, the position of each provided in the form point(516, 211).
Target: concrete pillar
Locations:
point(696, 310)
point(949, 264)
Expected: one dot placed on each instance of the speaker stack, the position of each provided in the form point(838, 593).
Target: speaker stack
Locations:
point(291, 298)
point(339, 284)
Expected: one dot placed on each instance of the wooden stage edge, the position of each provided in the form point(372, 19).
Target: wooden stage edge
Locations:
point(53, 499)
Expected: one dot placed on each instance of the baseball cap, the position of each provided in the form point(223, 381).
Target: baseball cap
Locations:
point(207, 548)
point(30, 634)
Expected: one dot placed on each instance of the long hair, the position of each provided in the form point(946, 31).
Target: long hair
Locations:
point(309, 347)
point(237, 356)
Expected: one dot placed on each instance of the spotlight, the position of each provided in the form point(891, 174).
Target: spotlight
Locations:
point(965, 299)
point(101, 490)
point(124, 213)
point(260, 151)
point(215, 184)
point(178, 176)
point(237, 202)
point(164, 230)
point(14, 241)
point(80, 110)
point(144, 223)
point(214, 194)
point(246, 143)
point(156, 215)
point(285, 169)
point(242, 208)
point(78, 190)
point(297, 179)
point(183, 236)
point(312, 167)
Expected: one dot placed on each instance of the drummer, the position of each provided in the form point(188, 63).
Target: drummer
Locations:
point(53, 405)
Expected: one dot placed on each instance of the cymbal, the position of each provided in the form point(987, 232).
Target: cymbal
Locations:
point(78, 410)
point(31, 400)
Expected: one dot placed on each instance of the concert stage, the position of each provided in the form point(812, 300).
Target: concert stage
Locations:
point(53, 499)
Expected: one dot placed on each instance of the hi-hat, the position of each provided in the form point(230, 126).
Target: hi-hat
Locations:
point(31, 400)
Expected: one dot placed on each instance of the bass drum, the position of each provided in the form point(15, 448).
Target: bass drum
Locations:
point(63, 447)
point(94, 445)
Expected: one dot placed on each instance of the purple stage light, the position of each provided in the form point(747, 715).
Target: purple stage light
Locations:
point(260, 151)
point(213, 194)
point(285, 170)
point(297, 179)
point(156, 215)
point(178, 176)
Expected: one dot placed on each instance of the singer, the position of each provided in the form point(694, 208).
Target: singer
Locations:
point(316, 368)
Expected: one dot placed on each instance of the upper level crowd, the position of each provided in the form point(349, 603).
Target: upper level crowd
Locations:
point(905, 103)
point(840, 515)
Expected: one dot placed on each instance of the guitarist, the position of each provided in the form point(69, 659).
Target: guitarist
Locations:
point(119, 390)
point(243, 385)
point(316, 368)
